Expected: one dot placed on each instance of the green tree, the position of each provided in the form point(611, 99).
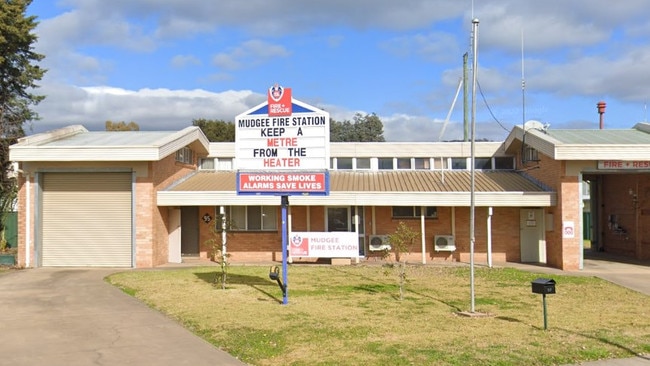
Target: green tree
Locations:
point(19, 72)
point(122, 126)
point(362, 128)
point(216, 130)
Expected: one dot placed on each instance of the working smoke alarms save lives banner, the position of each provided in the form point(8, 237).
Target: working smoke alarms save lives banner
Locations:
point(289, 183)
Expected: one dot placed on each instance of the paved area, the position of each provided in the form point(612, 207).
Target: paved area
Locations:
point(71, 317)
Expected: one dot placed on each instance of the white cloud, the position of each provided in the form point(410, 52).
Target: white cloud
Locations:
point(152, 109)
point(181, 61)
point(249, 53)
point(436, 46)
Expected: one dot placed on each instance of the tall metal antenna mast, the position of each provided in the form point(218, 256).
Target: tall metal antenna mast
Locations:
point(523, 82)
point(472, 238)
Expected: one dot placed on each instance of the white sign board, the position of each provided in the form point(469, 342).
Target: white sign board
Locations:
point(298, 141)
point(568, 229)
point(324, 244)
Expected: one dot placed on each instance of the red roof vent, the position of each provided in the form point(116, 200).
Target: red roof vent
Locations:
point(601, 110)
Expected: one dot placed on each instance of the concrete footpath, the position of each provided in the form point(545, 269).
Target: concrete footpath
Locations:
point(71, 317)
point(631, 274)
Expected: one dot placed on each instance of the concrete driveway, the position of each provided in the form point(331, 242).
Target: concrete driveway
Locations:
point(72, 317)
point(632, 274)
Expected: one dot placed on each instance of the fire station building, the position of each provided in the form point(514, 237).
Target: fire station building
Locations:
point(146, 198)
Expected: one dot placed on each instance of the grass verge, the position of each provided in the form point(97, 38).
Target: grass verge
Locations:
point(352, 316)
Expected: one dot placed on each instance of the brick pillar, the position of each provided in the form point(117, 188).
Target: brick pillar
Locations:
point(570, 211)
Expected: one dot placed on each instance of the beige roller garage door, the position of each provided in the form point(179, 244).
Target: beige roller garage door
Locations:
point(86, 219)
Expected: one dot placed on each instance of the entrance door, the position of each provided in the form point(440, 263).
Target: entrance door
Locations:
point(190, 231)
point(174, 255)
point(531, 229)
point(342, 219)
point(358, 210)
point(338, 219)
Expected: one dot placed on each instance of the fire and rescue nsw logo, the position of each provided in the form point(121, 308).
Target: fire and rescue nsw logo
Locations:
point(279, 101)
point(299, 246)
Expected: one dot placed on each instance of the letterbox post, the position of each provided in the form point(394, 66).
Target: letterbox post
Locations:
point(544, 305)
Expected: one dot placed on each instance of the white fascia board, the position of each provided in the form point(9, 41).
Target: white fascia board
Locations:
point(541, 142)
point(187, 136)
point(536, 139)
point(515, 199)
point(602, 152)
point(414, 149)
point(31, 153)
point(222, 150)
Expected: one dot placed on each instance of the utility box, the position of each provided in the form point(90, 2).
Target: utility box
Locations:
point(543, 286)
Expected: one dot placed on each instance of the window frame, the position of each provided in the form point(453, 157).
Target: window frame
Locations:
point(269, 224)
point(380, 166)
point(431, 212)
point(184, 155)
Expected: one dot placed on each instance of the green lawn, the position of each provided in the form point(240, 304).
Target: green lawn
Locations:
point(352, 315)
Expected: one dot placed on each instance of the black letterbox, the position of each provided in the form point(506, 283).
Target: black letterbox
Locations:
point(274, 273)
point(543, 286)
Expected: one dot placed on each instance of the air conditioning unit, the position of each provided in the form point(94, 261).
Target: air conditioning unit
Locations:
point(444, 243)
point(378, 243)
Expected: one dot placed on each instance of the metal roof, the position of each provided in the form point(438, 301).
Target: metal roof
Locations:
point(580, 145)
point(111, 139)
point(380, 188)
point(600, 137)
point(75, 143)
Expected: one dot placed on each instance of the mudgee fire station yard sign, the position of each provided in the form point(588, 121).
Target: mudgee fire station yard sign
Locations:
point(282, 147)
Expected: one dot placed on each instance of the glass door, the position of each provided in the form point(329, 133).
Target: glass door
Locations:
point(342, 218)
point(338, 219)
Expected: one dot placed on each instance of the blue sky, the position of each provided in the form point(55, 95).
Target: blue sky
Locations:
point(163, 63)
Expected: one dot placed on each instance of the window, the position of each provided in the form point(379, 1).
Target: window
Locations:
point(530, 154)
point(422, 163)
point(206, 164)
point(385, 163)
point(459, 163)
point(440, 163)
point(344, 163)
point(414, 212)
point(504, 162)
point(225, 163)
point(483, 163)
point(338, 219)
point(254, 218)
point(185, 156)
point(363, 163)
point(403, 163)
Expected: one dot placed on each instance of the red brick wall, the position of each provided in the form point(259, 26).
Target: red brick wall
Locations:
point(267, 246)
point(22, 221)
point(152, 245)
point(242, 246)
point(563, 253)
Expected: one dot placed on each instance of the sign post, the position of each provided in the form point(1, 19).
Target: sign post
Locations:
point(285, 249)
point(282, 149)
